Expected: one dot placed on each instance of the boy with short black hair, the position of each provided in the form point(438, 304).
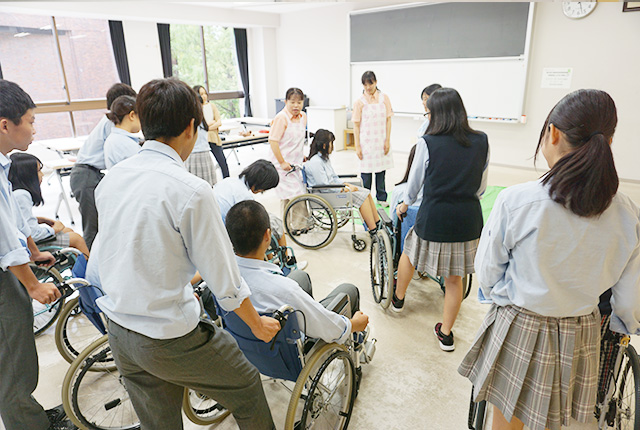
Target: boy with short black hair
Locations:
point(86, 173)
point(18, 355)
point(158, 225)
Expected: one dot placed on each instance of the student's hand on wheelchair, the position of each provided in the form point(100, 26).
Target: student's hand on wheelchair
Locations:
point(285, 166)
point(44, 293)
point(349, 188)
point(401, 210)
point(268, 328)
point(43, 259)
point(359, 321)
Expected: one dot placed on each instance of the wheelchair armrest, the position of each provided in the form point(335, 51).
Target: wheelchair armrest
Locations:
point(347, 176)
point(384, 217)
point(340, 305)
point(319, 187)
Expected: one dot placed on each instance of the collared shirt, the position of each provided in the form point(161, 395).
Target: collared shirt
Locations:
point(25, 206)
point(279, 123)
point(230, 191)
point(159, 224)
point(13, 229)
point(423, 128)
point(320, 172)
point(419, 169)
point(92, 151)
point(536, 254)
point(202, 142)
point(119, 146)
point(270, 290)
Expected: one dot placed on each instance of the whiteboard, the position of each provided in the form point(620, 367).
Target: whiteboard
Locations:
point(490, 88)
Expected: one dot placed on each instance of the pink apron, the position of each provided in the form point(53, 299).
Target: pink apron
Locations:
point(291, 147)
point(373, 132)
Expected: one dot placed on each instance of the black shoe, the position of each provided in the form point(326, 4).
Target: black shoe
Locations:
point(56, 414)
point(64, 424)
point(396, 303)
point(446, 341)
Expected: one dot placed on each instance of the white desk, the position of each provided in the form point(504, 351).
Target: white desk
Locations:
point(235, 141)
point(61, 167)
point(64, 145)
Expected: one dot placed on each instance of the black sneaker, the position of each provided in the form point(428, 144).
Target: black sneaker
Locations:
point(396, 303)
point(56, 414)
point(446, 341)
point(65, 424)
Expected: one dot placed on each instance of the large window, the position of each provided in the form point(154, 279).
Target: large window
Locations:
point(65, 64)
point(206, 55)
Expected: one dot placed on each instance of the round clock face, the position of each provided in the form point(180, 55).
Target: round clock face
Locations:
point(578, 9)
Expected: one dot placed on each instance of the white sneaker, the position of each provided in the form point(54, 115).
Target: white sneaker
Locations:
point(302, 264)
point(383, 204)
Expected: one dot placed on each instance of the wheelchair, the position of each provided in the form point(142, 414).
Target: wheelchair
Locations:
point(386, 249)
point(282, 256)
point(312, 220)
point(325, 375)
point(94, 395)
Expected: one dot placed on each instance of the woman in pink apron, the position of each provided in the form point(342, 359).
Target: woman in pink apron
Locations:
point(287, 140)
point(372, 129)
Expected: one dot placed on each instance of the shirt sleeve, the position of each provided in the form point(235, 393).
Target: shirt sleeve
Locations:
point(210, 250)
point(492, 256)
point(485, 176)
point(387, 105)
point(278, 127)
point(25, 207)
point(417, 172)
point(12, 251)
point(356, 114)
point(625, 298)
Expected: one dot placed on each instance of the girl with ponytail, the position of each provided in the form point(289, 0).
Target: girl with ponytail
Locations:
point(548, 251)
point(123, 141)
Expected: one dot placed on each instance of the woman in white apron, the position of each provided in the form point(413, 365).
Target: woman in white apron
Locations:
point(287, 141)
point(372, 130)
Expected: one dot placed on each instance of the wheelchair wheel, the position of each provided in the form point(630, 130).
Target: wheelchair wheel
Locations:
point(74, 331)
point(97, 400)
point(310, 221)
point(324, 392)
point(627, 398)
point(45, 315)
point(358, 244)
point(381, 268)
point(201, 409)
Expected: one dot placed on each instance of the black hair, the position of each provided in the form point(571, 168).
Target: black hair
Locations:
point(118, 90)
point(120, 108)
point(196, 88)
point(448, 116)
point(430, 89)
point(260, 175)
point(321, 143)
point(246, 224)
point(584, 180)
point(14, 101)
point(291, 92)
point(412, 154)
point(166, 107)
point(369, 77)
point(23, 175)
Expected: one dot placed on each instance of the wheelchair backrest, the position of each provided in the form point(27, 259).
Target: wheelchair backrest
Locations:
point(408, 222)
point(88, 295)
point(282, 361)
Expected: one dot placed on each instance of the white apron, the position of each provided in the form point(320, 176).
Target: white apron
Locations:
point(291, 148)
point(373, 132)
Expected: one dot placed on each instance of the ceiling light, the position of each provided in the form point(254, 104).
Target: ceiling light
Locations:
point(22, 34)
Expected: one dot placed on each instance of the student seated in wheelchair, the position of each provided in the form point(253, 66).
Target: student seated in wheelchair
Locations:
point(319, 172)
point(248, 227)
point(258, 177)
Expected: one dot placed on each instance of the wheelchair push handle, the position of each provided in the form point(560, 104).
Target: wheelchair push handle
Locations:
point(281, 316)
point(61, 256)
point(294, 168)
point(67, 288)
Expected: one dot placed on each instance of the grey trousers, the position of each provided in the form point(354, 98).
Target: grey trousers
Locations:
point(18, 359)
point(304, 280)
point(83, 181)
point(208, 360)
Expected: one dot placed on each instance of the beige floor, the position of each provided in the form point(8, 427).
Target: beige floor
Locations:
point(411, 383)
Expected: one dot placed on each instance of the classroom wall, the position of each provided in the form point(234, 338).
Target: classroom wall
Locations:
point(313, 49)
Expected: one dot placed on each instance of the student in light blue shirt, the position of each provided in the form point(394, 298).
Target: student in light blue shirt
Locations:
point(123, 142)
point(426, 93)
point(399, 192)
point(18, 285)
point(86, 173)
point(158, 225)
point(320, 172)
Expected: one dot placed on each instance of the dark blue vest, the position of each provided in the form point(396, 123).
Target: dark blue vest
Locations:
point(450, 210)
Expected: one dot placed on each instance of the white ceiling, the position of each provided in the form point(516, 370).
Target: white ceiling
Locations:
point(263, 6)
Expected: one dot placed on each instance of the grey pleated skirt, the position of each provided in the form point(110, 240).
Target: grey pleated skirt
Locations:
point(60, 239)
point(542, 370)
point(440, 258)
point(201, 164)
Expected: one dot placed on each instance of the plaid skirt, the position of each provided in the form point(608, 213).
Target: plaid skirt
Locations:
point(60, 239)
point(440, 258)
point(542, 370)
point(201, 164)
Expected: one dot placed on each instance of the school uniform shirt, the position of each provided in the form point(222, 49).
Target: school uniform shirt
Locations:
point(25, 206)
point(92, 151)
point(270, 289)
point(453, 179)
point(202, 141)
point(159, 224)
point(320, 172)
point(119, 146)
point(13, 229)
point(423, 128)
point(230, 191)
point(538, 255)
